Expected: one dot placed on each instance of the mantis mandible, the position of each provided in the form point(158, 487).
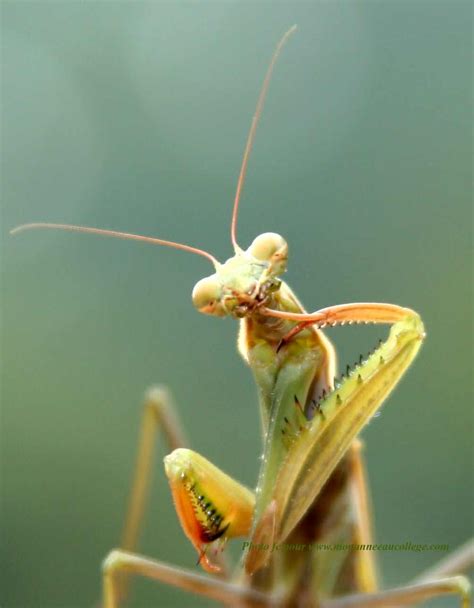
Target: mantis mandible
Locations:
point(311, 487)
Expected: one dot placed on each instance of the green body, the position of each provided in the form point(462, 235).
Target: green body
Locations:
point(308, 422)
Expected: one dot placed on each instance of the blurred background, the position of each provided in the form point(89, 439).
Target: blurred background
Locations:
point(133, 116)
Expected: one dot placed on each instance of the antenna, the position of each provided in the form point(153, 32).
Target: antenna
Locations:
point(118, 235)
point(251, 136)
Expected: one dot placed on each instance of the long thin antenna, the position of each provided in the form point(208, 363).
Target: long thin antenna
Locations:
point(118, 235)
point(251, 136)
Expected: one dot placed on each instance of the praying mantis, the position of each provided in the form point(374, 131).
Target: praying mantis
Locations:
point(311, 486)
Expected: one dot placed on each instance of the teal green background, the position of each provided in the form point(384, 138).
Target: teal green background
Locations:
point(133, 116)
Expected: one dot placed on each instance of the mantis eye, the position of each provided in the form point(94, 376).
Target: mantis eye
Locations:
point(206, 295)
point(270, 247)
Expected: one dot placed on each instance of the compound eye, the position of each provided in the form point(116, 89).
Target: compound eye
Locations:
point(270, 247)
point(206, 295)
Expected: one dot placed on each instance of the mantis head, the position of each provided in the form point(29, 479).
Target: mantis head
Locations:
point(245, 281)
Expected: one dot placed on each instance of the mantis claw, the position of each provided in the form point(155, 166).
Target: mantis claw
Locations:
point(211, 506)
